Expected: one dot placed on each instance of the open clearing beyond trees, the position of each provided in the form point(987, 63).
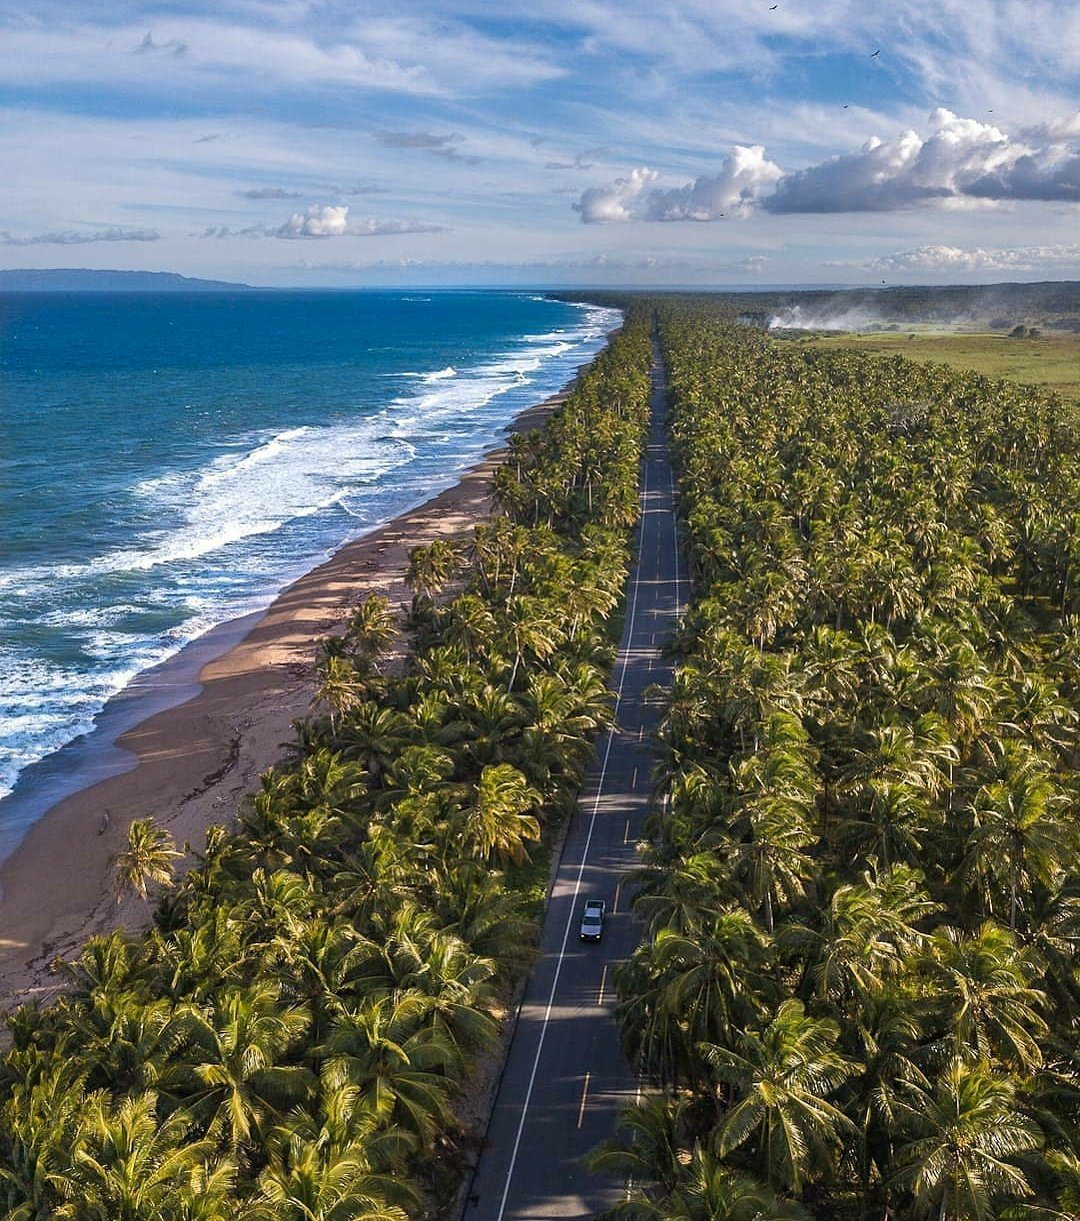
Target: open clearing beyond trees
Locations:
point(1052, 361)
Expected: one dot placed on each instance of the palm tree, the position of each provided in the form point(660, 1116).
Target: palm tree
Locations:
point(238, 1082)
point(680, 990)
point(433, 566)
point(529, 630)
point(653, 1149)
point(498, 822)
point(371, 626)
point(385, 1048)
point(867, 936)
point(127, 1164)
point(982, 988)
point(711, 1191)
point(309, 1183)
point(780, 1077)
point(957, 1162)
point(146, 861)
point(1019, 838)
point(339, 687)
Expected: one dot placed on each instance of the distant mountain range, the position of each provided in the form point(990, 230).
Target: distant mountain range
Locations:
point(83, 280)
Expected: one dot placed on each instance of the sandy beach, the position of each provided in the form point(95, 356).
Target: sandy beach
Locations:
point(194, 763)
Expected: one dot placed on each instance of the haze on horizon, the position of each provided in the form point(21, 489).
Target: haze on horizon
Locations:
point(299, 142)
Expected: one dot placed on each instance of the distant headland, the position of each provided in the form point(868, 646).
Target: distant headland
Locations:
point(86, 280)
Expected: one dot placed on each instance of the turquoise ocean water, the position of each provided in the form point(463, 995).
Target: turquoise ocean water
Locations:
point(169, 462)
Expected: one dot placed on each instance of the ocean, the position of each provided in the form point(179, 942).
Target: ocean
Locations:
point(170, 462)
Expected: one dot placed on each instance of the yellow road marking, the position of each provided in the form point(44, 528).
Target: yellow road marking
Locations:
point(584, 1099)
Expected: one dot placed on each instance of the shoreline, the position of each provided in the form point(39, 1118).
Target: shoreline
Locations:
point(188, 739)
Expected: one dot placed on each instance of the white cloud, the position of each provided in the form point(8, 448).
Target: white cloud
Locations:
point(963, 163)
point(258, 51)
point(940, 258)
point(962, 160)
point(325, 220)
point(74, 237)
point(616, 202)
point(1056, 131)
point(745, 176)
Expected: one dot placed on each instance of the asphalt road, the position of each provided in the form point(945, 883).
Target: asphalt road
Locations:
point(566, 1078)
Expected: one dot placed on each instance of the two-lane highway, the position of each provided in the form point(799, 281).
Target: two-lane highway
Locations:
point(566, 1077)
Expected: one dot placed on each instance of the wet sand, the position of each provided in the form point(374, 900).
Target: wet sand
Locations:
point(191, 764)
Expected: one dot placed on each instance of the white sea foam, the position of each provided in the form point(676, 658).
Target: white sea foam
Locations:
point(214, 546)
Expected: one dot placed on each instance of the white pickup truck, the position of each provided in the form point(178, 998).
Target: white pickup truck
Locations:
point(592, 919)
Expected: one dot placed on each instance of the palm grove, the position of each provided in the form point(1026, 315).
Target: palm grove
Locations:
point(289, 1039)
point(857, 995)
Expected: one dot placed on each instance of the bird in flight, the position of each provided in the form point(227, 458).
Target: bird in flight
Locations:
point(874, 53)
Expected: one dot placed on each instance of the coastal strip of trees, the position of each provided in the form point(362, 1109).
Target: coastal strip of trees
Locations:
point(290, 1038)
point(858, 994)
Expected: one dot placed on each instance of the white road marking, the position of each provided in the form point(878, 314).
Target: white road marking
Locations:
point(603, 985)
point(577, 884)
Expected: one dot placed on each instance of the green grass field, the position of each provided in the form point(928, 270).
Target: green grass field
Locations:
point(1049, 360)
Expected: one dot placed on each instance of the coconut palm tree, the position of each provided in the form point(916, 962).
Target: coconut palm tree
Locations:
point(499, 821)
point(982, 988)
point(965, 1134)
point(1020, 837)
point(308, 1183)
point(127, 1163)
point(780, 1077)
point(146, 861)
point(239, 1078)
point(371, 627)
point(385, 1048)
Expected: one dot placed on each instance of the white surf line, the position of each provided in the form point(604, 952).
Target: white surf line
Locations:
point(584, 856)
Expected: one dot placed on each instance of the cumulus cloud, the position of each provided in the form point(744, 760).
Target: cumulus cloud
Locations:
point(320, 220)
point(961, 160)
point(73, 237)
point(324, 221)
point(962, 163)
point(1056, 131)
point(953, 258)
point(744, 177)
point(617, 201)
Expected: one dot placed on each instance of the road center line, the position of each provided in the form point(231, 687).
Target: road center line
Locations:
point(584, 1099)
point(581, 867)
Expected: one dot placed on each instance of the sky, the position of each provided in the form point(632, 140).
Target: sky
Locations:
point(554, 142)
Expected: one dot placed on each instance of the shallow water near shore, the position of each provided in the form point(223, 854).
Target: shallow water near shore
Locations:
point(171, 464)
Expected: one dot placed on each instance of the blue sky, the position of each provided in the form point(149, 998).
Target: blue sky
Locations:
point(558, 141)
